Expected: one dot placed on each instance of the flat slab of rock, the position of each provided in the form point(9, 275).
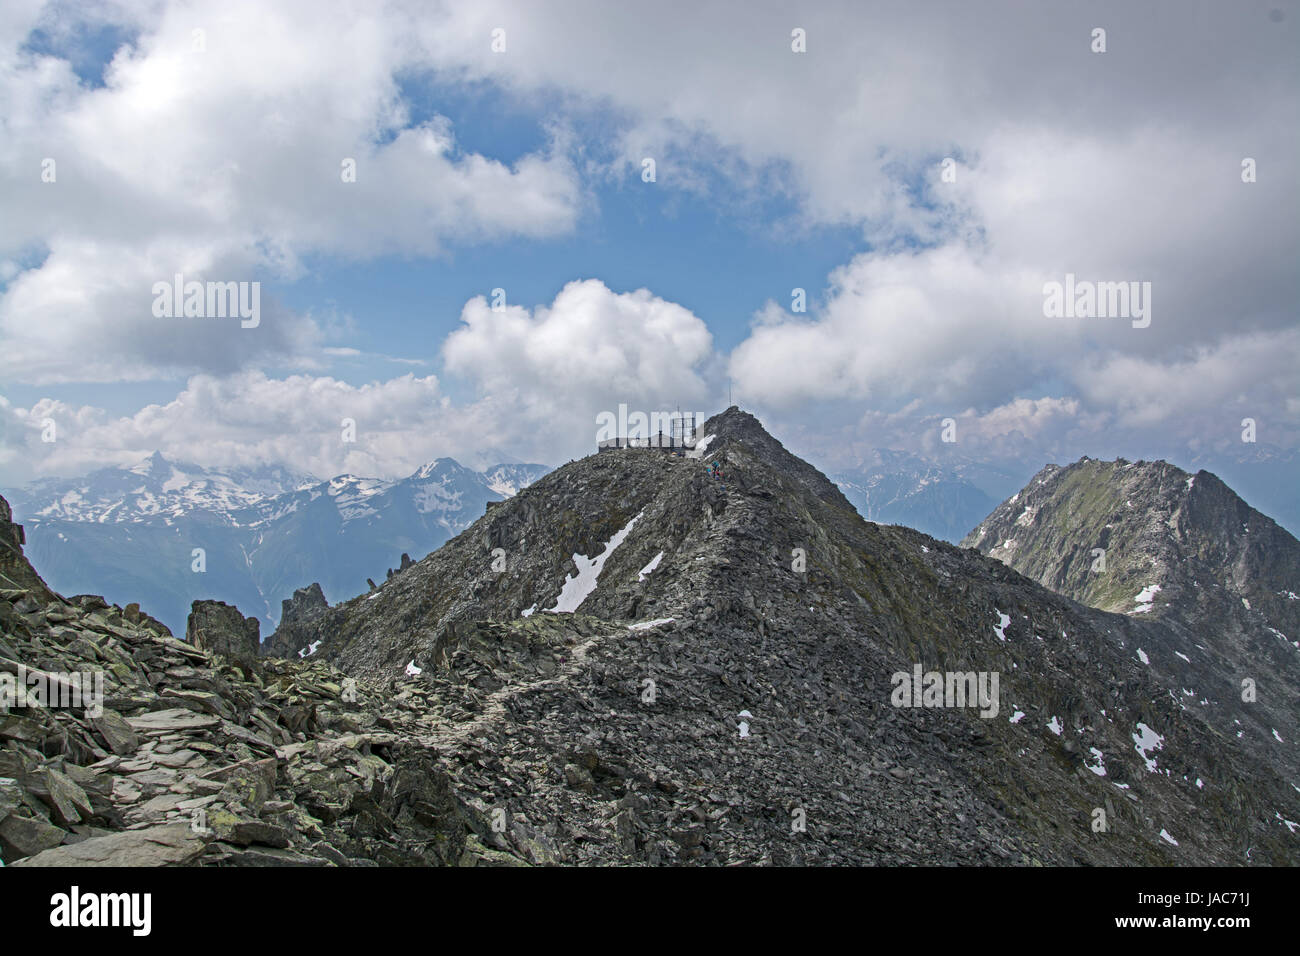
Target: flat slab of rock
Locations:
point(116, 732)
point(167, 845)
point(178, 718)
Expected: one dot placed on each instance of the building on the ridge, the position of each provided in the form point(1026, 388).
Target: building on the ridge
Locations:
point(679, 440)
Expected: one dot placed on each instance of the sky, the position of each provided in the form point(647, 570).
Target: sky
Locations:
point(920, 171)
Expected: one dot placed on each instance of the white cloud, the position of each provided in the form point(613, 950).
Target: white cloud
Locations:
point(543, 376)
point(1114, 167)
point(1249, 373)
point(588, 351)
point(246, 419)
point(1120, 166)
point(226, 164)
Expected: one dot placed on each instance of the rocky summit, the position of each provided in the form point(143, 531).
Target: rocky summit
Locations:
point(1151, 541)
point(642, 658)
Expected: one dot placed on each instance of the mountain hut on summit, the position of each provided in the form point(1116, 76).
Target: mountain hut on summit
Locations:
point(679, 438)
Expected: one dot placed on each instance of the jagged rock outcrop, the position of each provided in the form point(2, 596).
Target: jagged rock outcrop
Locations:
point(218, 627)
point(15, 572)
point(406, 562)
point(296, 615)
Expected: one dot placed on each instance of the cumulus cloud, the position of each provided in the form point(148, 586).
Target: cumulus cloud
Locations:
point(1123, 166)
point(545, 374)
point(1250, 374)
point(590, 347)
point(540, 378)
point(963, 321)
point(249, 419)
point(942, 322)
point(222, 153)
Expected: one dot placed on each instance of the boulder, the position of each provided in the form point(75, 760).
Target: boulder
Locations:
point(167, 845)
point(24, 836)
point(68, 801)
point(113, 729)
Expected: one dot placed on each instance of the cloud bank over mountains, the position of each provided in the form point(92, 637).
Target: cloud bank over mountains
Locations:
point(222, 154)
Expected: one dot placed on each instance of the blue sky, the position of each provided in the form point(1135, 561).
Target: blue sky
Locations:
point(720, 252)
point(207, 138)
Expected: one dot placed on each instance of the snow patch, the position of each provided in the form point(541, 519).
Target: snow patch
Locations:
point(578, 587)
point(1144, 599)
point(1100, 768)
point(646, 625)
point(649, 568)
point(1147, 742)
point(700, 447)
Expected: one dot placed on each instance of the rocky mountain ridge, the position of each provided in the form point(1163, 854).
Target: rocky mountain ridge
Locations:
point(1149, 540)
point(640, 659)
point(760, 590)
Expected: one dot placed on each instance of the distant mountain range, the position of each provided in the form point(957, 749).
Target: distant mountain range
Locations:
point(941, 499)
point(130, 534)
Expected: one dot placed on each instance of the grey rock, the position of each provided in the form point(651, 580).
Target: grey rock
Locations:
point(173, 719)
point(23, 836)
point(219, 627)
point(116, 733)
point(167, 845)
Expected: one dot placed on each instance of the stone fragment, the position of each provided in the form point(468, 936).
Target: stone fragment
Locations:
point(166, 845)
